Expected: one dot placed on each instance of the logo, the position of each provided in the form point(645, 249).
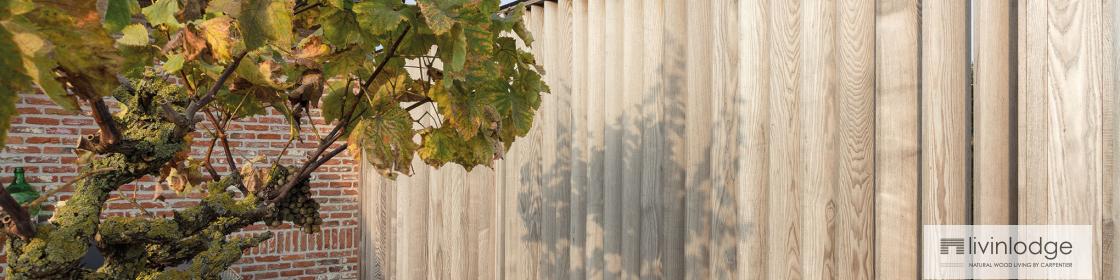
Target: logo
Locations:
point(952, 243)
point(1007, 252)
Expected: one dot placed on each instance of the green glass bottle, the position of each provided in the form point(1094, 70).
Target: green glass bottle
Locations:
point(22, 191)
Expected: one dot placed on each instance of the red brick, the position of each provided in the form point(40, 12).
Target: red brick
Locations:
point(291, 273)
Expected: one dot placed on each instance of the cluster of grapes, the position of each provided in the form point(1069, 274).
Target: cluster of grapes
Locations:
point(298, 208)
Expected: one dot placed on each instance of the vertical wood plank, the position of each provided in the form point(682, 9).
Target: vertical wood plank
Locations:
point(674, 78)
point(897, 219)
point(1033, 113)
point(594, 251)
point(754, 157)
point(562, 61)
point(1075, 139)
point(724, 138)
point(376, 223)
point(993, 149)
point(815, 175)
point(698, 184)
point(784, 196)
point(481, 191)
point(614, 140)
point(447, 233)
point(944, 135)
point(632, 89)
point(554, 149)
point(651, 105)
point(856, 108)
point(579, 155)
point(412, 220)
point(650, 102)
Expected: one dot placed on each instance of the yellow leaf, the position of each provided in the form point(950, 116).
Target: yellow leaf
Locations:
point(216, 31)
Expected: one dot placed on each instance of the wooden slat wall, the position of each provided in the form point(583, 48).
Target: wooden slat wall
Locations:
point(773, 140)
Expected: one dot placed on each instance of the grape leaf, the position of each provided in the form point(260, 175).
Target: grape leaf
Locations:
point(217, 32)
point(442, 145)
point(118, 14)
point(37, 64)
point(12, 80)
point(174, 63)
point(162, 12)
point(340, 26)
point(385, 139)
point(517, 104)
point(134, 35)
point(440, 14)
point(379, 16)
point(90, 62)
point(266, 21)
point(465, 111)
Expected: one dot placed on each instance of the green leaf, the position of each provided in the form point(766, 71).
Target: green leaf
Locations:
point(340, 27)
point(244, 105)
point(134, 35)
point(339, 97)
point(38, 65)
point(442, 145)
point(266, 21)
point(174, 63)
point(379, 16)
point(118, 14)
point(385, 139)
point(517, 104)
point(465, 111)
point(162, 12)
point(12, 80)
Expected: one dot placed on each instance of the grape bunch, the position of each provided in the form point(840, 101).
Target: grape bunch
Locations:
point(298, 208)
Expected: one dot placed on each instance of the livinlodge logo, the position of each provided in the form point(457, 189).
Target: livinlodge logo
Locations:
point(1007, 252)
point(1051, 249)
point(952, 244)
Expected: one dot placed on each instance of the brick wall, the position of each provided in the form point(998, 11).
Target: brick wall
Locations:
point(42, 138)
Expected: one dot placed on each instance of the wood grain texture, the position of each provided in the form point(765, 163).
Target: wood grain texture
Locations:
point(993, 151)
point(815, 173)
point(614, 139)
point(631, 129)
point(1033, 113)
point(1074, 143)
point(698, 120)
point(412, 220)
point(594, 251)
point(897, 120)
point(561, 54)
point(651, 104)
point(447, 235)
point(784, 223)
point(944, 131)
point(554, 248)
point(855, 106)
point(724, 138)
point(376, 222)
point(579, 148)
point(754, 124)
point(675, 157)
point(482, 221)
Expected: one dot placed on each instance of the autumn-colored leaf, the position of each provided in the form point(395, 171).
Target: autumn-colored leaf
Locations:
point(218, 33)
